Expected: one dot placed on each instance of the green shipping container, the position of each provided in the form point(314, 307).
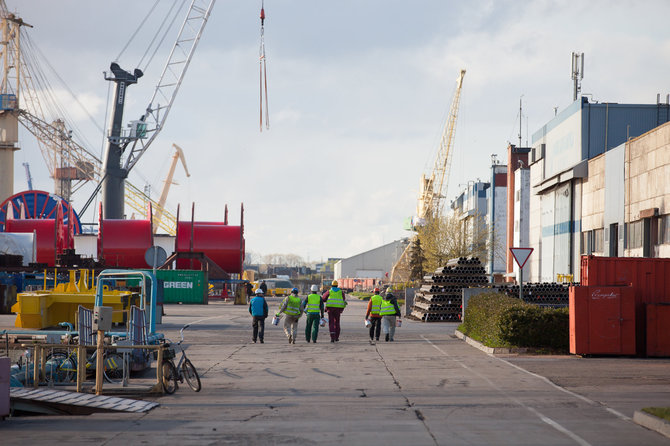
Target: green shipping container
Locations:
point(181, 286)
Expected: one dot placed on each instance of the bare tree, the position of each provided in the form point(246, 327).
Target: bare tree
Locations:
point(448, 237)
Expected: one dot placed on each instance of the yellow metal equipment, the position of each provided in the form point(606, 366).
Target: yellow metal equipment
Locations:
point(46, 308)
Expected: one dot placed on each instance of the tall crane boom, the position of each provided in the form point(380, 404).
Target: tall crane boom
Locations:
point(178, 156)
point(143, 131)
point(434, 188)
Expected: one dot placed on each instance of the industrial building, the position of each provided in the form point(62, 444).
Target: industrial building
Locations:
point(575, 182)
point(376, 263)
point(625, 199)
point(481, 208)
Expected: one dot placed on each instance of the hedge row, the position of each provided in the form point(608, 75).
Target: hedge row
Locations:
point(497, 320)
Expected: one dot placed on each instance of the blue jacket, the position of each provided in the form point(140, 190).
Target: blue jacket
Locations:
point(258, 306)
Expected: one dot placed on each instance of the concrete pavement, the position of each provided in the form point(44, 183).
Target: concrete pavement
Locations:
point(427, 388)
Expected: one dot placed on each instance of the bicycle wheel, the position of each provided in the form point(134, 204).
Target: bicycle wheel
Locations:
point(169, 377)
point(191, 375)
point(60, 367)
point(113, 368)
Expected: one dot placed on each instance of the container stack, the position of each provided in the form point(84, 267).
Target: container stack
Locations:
point(440, 298)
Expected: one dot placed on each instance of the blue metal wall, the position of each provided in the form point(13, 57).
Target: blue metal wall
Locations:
point(605, 126)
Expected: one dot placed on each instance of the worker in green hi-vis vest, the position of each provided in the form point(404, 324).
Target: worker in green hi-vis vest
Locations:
point(335, 302)
point(389, 311)
point(292, 308)
point(314, 312)
point(372, 315)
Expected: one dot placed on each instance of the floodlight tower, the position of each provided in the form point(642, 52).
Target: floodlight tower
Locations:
point(577, 73)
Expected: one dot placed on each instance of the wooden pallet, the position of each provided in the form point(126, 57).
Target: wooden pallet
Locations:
point(64, 402)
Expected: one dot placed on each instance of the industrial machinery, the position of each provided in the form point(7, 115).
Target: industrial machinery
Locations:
point(26, 95)
point(134, 143)
point(433, 188)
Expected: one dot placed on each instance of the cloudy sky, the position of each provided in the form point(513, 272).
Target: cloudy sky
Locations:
point(358, 90)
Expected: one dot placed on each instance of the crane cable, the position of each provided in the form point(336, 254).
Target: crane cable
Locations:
point(263, 74)
point(132, 37)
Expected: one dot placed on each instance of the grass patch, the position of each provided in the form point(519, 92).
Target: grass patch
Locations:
point(362, 295)
point(660, 412)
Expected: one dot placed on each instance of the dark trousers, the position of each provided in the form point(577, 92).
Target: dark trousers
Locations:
point(312, 326)
point(334, 322)
point(259, 327)
point(375, 327)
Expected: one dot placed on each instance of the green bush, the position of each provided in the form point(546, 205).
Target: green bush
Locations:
point(497, 320)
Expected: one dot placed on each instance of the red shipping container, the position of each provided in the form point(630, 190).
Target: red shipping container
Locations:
point(649, 277)
point(658, 335)
point(602, 320)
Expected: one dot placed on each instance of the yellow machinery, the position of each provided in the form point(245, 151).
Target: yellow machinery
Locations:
point(46, 308)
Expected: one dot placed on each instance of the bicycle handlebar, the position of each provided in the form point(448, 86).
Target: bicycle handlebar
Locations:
point(181, 332)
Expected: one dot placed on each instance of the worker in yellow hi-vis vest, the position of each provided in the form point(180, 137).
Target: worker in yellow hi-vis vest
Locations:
point(292, 308)
point(335, 302)
point(389, 311)
point(372, 315)
point(314, 312)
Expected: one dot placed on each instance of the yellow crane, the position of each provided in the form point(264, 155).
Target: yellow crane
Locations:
point(138, 200)
point(178, 156)
point(433, 188)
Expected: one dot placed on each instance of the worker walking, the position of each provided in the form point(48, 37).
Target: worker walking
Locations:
point(258, 307)
point(389, 311)
point(291, 306)
point(314, 311)
point(335, 302)
point(372, 315)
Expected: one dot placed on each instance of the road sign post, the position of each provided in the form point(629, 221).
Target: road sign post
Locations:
point(521, 257)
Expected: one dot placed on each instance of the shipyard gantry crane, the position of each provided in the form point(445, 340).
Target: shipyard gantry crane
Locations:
point(70, 164)
point(433, 188)
point(134, 143)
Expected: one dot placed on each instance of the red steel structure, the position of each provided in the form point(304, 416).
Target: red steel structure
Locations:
point(602, 320)
point(123, 243)
point(221, 242)
point(649, 277)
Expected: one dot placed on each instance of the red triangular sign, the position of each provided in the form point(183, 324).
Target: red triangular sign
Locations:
point(521, 255)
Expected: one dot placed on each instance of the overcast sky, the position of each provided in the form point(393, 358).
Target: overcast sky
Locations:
point(358, 91)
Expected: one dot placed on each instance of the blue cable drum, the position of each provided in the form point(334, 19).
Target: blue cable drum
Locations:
point(38, 204)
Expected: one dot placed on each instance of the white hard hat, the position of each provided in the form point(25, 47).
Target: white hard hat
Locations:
point(259, 291)
point(315, 288)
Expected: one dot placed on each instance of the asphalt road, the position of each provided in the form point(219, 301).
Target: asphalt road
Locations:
point(427, 388)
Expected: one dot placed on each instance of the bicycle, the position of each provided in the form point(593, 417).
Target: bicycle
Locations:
point(184, 370)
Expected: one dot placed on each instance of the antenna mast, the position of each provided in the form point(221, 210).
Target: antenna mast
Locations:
point(577, 73)
point(520, 118)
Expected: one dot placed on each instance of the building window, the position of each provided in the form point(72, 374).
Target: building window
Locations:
point(664, 230)
point(584, 243)
point(634, 235)
point(598, 240)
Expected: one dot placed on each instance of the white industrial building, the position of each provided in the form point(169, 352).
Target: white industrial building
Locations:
point(372, 264)
point(482, 206)
point(569, 213)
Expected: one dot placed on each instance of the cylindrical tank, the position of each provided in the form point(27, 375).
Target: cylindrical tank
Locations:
point(46, 236)
point(123, 243)
point(222, 243)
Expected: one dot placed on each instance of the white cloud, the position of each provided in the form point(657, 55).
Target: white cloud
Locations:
point(356, 115)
